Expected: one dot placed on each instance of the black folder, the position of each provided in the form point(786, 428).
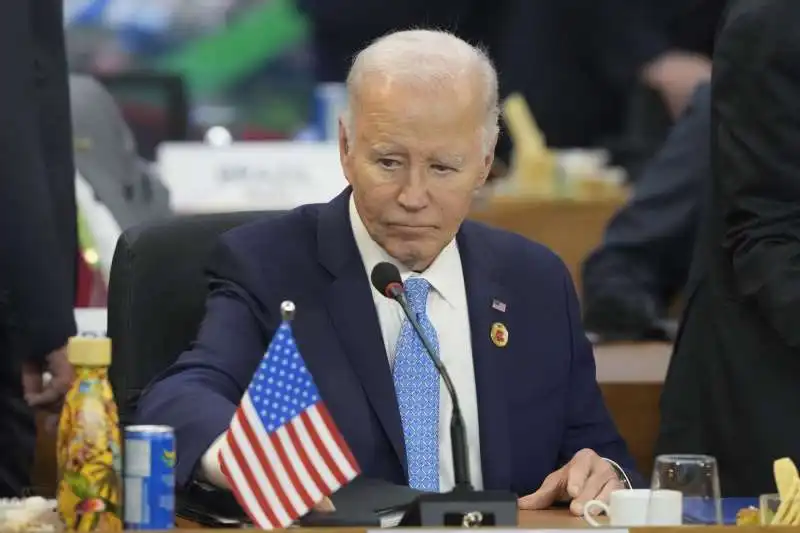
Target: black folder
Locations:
point(364, 502)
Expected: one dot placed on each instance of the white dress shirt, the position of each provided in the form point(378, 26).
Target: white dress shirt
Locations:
point(447, 311)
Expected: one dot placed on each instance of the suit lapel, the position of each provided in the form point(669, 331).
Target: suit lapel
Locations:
point(352, 311)
point(482, 290)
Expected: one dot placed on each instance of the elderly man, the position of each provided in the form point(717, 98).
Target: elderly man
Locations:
point(416, 144)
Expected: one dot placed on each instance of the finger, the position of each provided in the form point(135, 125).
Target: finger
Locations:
point(578, 471)
point(51, 395)
point(601, 473)
point(32, 382)
point(325, 506)
point(577, 508)
point(61, 383)
point(551, 490)
point(63, 374)
point(598, 487)
point(613, 485)
point(48, 396)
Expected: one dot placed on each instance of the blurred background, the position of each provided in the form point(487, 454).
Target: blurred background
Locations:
point(242, 64)
point(603, 144)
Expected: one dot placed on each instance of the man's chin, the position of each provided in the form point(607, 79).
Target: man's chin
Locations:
point(414, 258)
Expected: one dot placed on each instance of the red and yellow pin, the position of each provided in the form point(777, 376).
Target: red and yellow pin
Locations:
point(499, 334)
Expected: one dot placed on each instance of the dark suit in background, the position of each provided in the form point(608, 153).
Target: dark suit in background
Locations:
point(575, 61)
point(630, 280)
point(38, 235)
point(537, 46)
point(732, 387)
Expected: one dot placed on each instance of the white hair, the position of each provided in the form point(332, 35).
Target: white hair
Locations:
point(425, 58)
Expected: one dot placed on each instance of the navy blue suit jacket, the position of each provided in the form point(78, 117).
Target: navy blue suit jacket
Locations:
point(538, 400)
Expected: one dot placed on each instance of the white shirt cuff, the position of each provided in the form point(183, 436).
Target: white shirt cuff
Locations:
point(209, 465)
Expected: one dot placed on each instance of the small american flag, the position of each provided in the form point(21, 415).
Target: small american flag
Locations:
point(283, 453)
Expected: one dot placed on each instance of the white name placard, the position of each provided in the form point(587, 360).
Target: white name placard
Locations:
point(248, 176)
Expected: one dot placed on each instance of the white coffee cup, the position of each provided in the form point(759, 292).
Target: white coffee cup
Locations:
point(639, 507)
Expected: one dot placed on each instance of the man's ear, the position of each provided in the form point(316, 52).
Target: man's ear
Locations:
point(344, 141)
point(488, 161)
point(344, 149)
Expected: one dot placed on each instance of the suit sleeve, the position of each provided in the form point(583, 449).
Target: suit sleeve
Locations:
point(645, 241)
point(589, 424)
point(199, 394)
point(35, 285)
point(755, 95)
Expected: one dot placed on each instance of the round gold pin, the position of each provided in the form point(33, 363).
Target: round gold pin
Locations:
point(499, 334)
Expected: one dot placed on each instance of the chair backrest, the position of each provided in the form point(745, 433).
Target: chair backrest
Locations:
point(156, 297)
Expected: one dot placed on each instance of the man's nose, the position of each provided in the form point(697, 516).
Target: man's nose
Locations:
point(414, 193)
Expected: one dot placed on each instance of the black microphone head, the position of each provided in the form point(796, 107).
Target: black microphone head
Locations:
point(386, 279)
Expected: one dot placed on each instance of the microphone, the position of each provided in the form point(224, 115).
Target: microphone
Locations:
point(386, 279)
point(462, 507)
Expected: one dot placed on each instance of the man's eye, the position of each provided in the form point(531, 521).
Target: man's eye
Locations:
point(388, 164)
point(442, 169)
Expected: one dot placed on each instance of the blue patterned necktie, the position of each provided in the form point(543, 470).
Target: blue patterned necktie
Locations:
point(416, 384)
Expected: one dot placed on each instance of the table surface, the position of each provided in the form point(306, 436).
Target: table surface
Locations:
point(632, 362)
point(551, 518)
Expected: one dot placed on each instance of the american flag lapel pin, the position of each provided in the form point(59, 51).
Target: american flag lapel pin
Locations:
point(498, 305)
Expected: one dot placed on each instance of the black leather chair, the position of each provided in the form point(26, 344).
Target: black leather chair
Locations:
point(156, 297)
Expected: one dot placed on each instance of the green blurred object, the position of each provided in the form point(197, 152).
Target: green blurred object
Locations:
point(86, 240)
point(213, 63)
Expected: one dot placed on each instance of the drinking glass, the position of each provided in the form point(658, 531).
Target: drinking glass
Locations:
point(697, 478)
point(767, 508)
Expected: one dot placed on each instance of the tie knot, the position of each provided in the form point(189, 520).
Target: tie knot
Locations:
point(417, 294)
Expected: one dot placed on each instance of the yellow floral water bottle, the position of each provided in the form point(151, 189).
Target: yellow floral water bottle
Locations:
point(88, 447)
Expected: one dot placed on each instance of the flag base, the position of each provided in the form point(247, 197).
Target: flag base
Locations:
point(462, 509)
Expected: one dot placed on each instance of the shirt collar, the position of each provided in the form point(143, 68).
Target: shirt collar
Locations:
point(444, 274)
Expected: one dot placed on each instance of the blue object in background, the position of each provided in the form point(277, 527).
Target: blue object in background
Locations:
point(697, 511)
point(81, 12)
point(309, 133)
point(330, 100)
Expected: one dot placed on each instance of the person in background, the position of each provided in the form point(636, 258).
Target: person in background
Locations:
point(632, 278)
point(665, 46)
point(643, 263)
point(38, 248)
point(731, 389)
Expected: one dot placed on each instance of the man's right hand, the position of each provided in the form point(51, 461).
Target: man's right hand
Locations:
point(325, 506)
point(48, 396)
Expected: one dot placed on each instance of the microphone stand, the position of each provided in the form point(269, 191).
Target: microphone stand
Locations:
point(463, 506)
point(458, 439)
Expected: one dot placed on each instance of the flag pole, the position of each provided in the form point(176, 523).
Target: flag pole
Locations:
point(287, 310)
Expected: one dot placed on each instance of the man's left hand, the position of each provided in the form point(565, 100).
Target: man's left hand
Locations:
point(586, 477)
